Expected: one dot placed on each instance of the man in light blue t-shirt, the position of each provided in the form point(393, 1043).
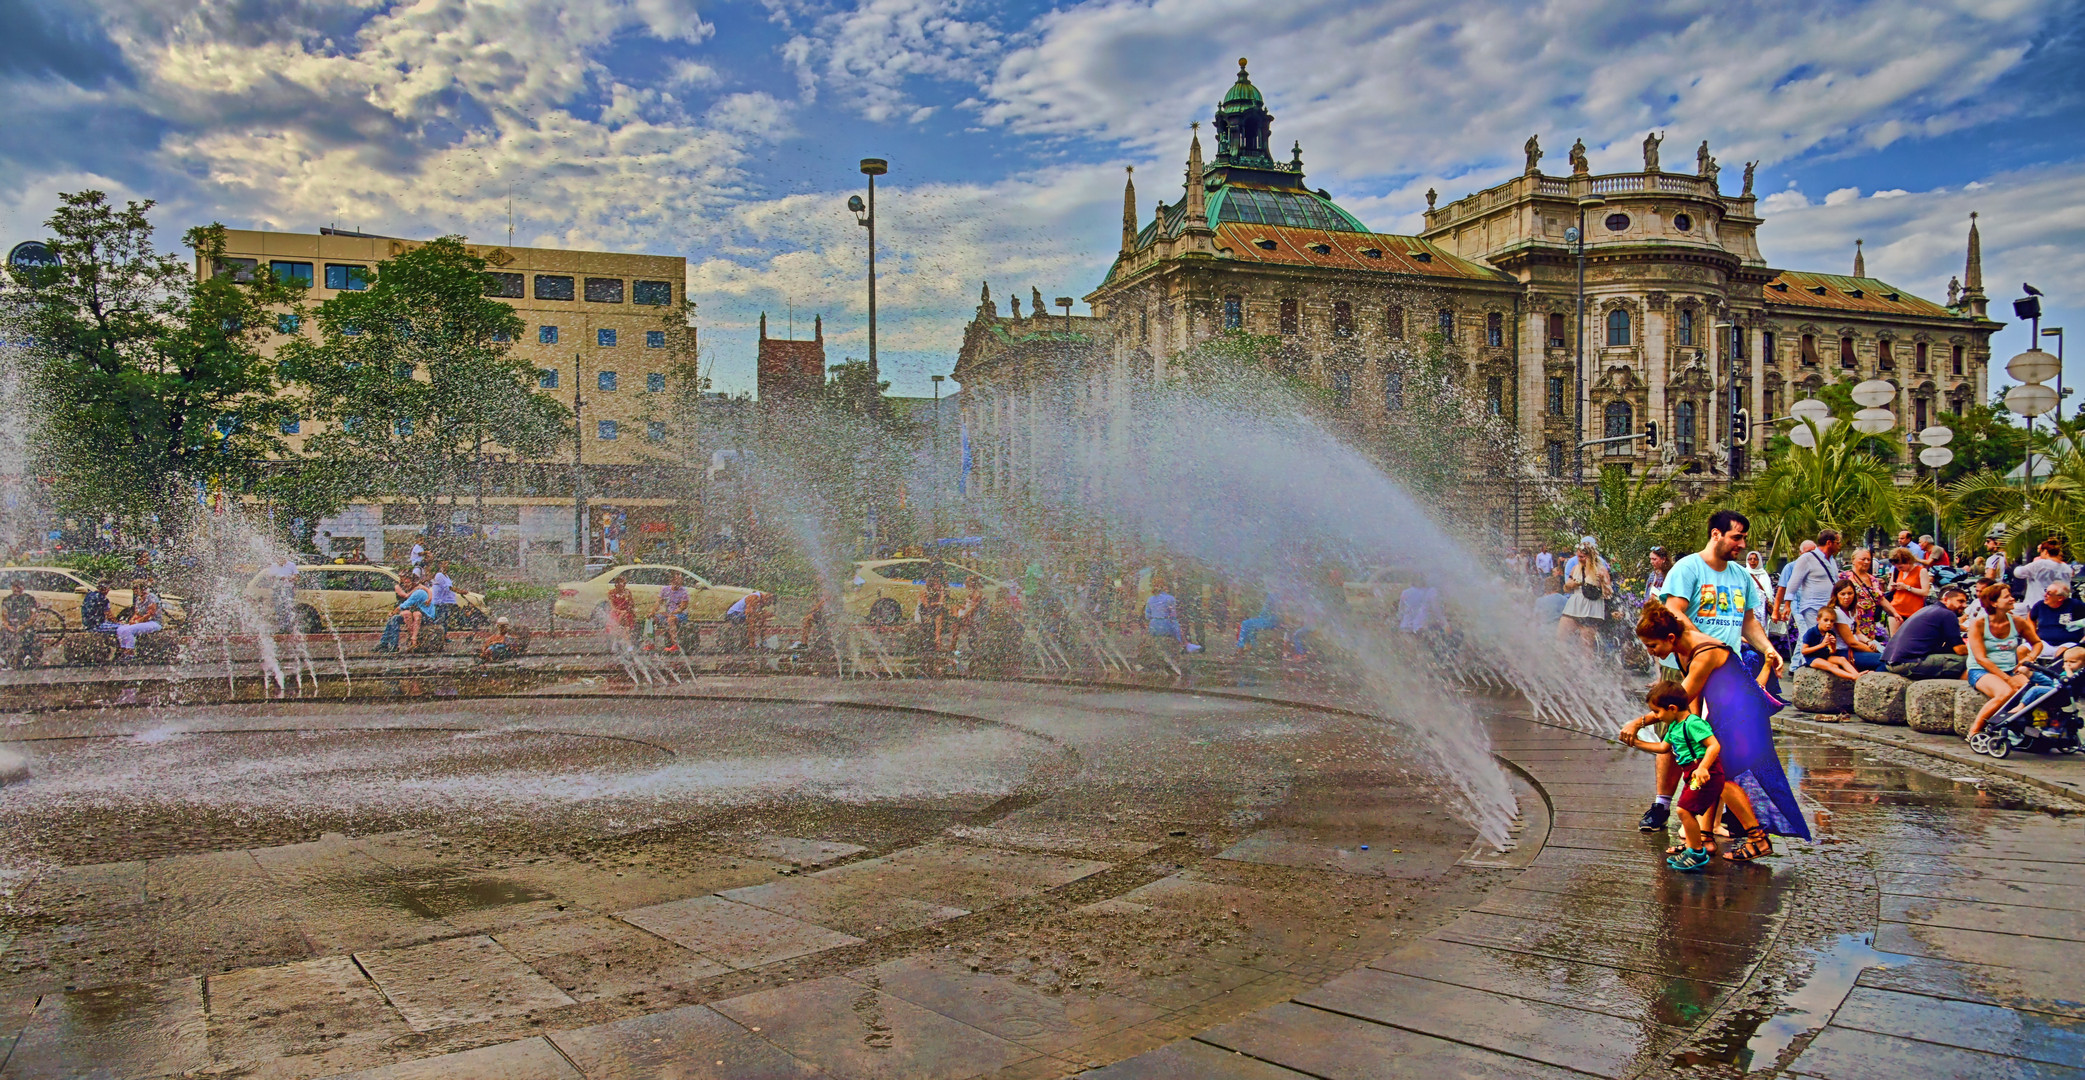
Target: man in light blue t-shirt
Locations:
point(1712, 591)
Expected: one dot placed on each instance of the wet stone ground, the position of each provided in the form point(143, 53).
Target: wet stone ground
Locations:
point(791, 877)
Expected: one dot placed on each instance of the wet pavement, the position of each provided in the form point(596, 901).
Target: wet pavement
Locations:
point(747, 876)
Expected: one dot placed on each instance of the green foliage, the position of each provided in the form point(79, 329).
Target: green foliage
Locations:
point(1837, 484)
point(1987, 439)
point(518, 593)
point(97, 565)
point(1622, 513)
point(147, 380)
point(412, 384)
point(2055, 506)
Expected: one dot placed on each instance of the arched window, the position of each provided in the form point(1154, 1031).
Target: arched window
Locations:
point(1683, 428)
point(1686, 328)
point(1447, 322)
point(1393, 391)
point(1618, 327)
point(1342, 319)
point(1494, 329)
point(1619, 422)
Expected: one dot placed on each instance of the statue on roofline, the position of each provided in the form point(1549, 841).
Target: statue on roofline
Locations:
point(1650, 151)
point(1749, 166)
point(1534, 152)
point(1579, 165)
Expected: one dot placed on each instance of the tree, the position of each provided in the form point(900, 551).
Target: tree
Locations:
point(1985, 500)
point(149, 382)
point(413, 383)
point(1620, 513)
point(1837, 484)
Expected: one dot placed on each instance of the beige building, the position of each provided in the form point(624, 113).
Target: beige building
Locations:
point(1680, 306)
point(594, 321)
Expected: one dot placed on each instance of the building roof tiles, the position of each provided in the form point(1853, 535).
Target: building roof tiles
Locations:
point(1379, 253)
point(1838, 292)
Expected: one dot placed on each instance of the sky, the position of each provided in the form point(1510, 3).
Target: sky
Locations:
point(730, 132)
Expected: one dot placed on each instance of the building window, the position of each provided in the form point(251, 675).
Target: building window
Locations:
point(655, 293)
point(1957, 361)
point(1556, 395)
point(1846, 359)
point(1918, 413)
point(546, 335)
point(655, 339)
point(1495, 329)
point(1290, 319)
point(1619, 422)
point(1342, 387)
point(605, 381)
point(655, 382)
point(1143, 325)
point(604, 290)
point(1683, 428)
point(553, 287)
point(1556, 457)
point(546, 378)
point(604, 338)
point(288, 322)
point(1233, 313)
point(350, 423)
point(292, 426)
point(604, 429)
point(655, 430)
point(1393, 391)
point(1395, 325)
point(1920, 356)
point(1809, 351)
point(1686, 326)
point(1495, 395)
point(1556, 330)
point(1618, 327)
point(291, 273)
point(1447, 324)
point(351, 330)
point(507, 286)
point(348, 276)
point(1737, 342)
point(1766, 400)
point(1342, 319)
point(239, 270)
point(1885, 360)
point(1766, 347)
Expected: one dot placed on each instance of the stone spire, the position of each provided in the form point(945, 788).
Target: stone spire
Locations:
point(1197, 194)
point(986, 309)
point(763, 326)
point(1973, 296)
point(1129, 209)
point(1860, 265)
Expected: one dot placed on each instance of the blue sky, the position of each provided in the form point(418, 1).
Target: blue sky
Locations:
point(729, 132)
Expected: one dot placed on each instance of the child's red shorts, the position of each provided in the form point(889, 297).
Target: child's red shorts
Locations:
point(1699, 800)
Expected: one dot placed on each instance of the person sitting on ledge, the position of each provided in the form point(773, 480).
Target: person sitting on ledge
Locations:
point(2058, 616)
point(497, 646)
point(1929, 644)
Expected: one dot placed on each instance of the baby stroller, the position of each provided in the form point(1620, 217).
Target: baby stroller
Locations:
point(2041, 716)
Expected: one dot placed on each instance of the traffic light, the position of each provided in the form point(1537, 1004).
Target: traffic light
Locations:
point(1650, 434)
point(1741, 427)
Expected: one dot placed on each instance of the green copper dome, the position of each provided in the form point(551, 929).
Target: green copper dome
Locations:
point(1242, 92)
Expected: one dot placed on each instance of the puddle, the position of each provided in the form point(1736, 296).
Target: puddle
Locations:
point(470, 894)
point(1755, 1041)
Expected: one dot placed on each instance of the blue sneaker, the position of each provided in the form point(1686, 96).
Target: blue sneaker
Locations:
point(1689, 861)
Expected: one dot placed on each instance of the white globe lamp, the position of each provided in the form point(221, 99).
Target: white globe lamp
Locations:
point(2033, 366)
point(1874, 393)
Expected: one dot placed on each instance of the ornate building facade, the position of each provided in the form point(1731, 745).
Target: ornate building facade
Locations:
point(1679, 307)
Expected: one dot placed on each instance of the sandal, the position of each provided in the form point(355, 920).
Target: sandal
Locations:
point(1707, 845)
point(1756, 845)
point(1689, 861)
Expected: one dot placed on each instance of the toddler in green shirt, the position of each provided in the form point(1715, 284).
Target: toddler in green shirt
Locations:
point(1693, 745)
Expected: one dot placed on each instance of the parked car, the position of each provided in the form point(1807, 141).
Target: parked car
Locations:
point(350, 596)
point(888, 591)
point(589, 599)
point(60, 590)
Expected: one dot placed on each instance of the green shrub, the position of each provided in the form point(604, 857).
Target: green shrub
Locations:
point(97, 565)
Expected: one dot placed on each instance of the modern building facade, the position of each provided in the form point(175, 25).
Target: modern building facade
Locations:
point(600, 329)
point(1679, 307)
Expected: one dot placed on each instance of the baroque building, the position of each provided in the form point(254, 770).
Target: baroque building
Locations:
point(1679, 309)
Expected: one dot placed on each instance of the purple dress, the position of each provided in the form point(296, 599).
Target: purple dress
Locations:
point(1738, 711)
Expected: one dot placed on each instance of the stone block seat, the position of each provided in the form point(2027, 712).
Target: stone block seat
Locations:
point(1878, 697)
point(1968, 702)
point(1929, 705)
point(1815, 690)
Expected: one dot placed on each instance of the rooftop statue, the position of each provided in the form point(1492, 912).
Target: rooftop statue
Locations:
point(1579, 165)
point(1534, 152)
point(1650, 151)
point(1749, 166)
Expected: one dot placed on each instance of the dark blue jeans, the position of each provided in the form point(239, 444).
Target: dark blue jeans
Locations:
point(389, 642)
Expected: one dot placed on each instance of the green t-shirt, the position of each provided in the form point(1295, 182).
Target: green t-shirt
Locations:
point(1689, 739)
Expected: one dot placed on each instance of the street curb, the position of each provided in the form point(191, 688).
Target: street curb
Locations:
point(1966, 759)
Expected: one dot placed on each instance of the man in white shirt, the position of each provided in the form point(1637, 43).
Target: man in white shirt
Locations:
point(419, 554)
point(442, 592)
point(1545, 563)
point(1994, 561)
point(1810, 585)
point(2048, 568)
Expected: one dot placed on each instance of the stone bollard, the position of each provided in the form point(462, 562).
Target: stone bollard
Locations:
point(1968, 702)
point(1878, 697)
point(1929, 706)
point(1815, 690)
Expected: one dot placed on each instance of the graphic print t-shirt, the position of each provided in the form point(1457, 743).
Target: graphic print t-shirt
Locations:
point(1716, 599)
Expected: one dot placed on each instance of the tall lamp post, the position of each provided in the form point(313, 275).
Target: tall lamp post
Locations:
point(1577, 239)
point(578, 467)
point(2057, 333)
point(866, 215)
point(934, 469)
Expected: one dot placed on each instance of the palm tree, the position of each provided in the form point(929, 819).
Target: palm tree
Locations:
point(2055, 506)
point(1619, 512)
point(1836, 484)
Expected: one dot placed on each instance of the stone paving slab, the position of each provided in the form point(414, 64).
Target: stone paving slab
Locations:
point(593, 956)
point(849, 1029)
point(2057, 1040)
point(1189, 1059)
point(853, 907)
point(960, 875)
point(1336, 1047)
point(1618, 992)
point(1840, 1053)
point(739, 935)
point(127, 1030)
point(1051, 1023)
point(2000, 950)
point(1623, 947)
point(463, 980)
point(525, 1059)
point(797, 851)
point(309, 1007)
point(594, 888)
point(2032, 894)
point(691, 1043)
point(1977, 915)
point(1293, 847)
point(2061, 875)
point(2056, 993)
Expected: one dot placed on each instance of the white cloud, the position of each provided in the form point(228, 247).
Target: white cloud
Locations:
point(866, 54)
point(1890, 193)
point(1781, 201)
point(1842, 196)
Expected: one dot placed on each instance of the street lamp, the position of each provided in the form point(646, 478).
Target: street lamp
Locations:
point(866, 216)
point(2057, 333)
point(2031, 399)
point(934, 469)
point(1577, 239)
point(1728, 343)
